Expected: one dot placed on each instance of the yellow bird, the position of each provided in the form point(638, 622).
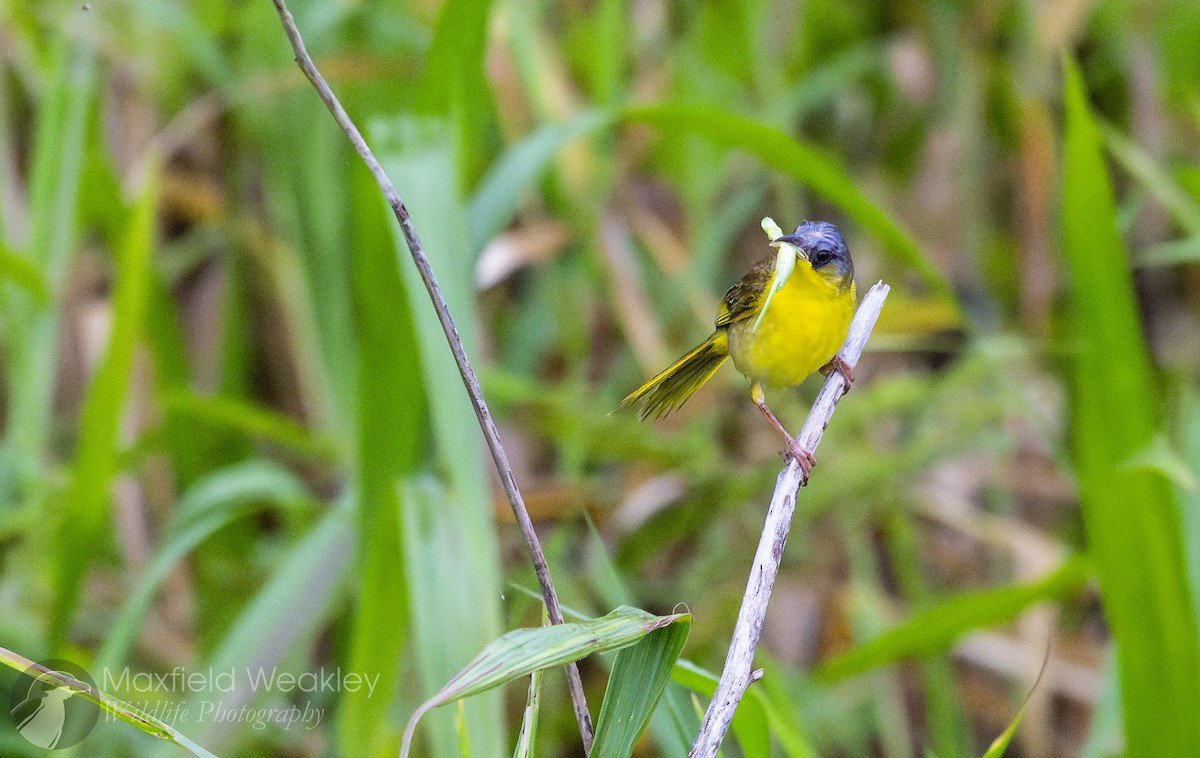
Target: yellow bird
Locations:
point(785, 319)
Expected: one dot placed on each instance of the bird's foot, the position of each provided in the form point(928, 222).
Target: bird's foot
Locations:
point(839, 365)
point(802, 457)
point(794, 448)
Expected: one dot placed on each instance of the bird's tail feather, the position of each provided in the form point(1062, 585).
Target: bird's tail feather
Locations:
point(670, 389)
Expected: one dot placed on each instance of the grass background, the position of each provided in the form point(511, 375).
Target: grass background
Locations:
point(234, 437)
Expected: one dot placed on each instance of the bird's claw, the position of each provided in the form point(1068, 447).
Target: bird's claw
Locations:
point(802, 457)
point(838, 364)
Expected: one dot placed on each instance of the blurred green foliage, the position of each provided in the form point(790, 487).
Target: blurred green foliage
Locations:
point(234, 438)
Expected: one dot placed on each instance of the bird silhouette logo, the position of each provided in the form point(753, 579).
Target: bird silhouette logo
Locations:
point(44, 710)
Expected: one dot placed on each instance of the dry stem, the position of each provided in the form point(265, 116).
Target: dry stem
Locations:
point(490, 435)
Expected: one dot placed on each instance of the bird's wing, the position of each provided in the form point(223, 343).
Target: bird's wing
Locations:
point(745, 298)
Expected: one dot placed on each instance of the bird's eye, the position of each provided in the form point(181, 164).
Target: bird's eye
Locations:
point(822, 257)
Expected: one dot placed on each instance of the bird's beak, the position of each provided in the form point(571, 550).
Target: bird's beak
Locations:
point(793, 241)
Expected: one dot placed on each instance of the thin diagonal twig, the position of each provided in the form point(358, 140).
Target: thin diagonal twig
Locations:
point(739, 672)
point(490, 435)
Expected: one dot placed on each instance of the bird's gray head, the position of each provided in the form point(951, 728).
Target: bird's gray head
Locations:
point(825, 248)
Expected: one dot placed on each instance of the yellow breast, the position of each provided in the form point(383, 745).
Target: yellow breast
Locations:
point(806, 324)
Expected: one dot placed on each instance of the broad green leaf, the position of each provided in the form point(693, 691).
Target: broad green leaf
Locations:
point(936, 628)
point(1131, 517)
point(674, 723)
point(449, 540)
point(523, 651)
point(444, 594)
point(391, 442)
point(1106, 735)
point(1188, 415)
point(635, 684)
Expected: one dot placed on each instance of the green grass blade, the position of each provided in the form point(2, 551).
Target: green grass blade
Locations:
point(18, 269)
point(86, 505)
point(249, 419)
point(1130, 516)
point(523, 651)
point(60, 145)
point(945, 720)
point(286, 613)
point(750, 723)
point(418, 156)
point(638, 677)
point(784, 712)
point(168, 348)
point(602, 44)
point(212, 503)
point(305, 155)
point(527, 737)
point(1174, 198)
point(59, 148)
point(1171, 253)
point(529, 720)
point(495, 202)
point(1000, 745)
point(455, 86)
point(831, 78)
point(462, 730)
point(124, 711)
point(936, 628)
point(674, 723)
point(782, 152)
